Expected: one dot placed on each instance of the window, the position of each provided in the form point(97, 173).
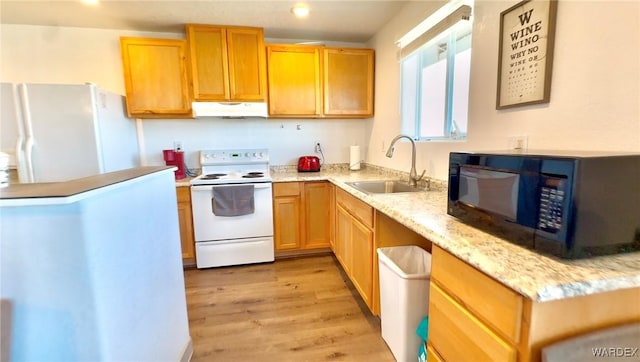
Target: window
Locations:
point(435, 84)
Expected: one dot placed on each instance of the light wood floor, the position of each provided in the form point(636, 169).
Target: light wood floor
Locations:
point(292, 310)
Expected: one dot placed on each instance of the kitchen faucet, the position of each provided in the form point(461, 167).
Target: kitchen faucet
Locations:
point(413, 175)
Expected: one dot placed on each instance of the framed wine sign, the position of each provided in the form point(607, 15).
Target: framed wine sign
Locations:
point(525, 58)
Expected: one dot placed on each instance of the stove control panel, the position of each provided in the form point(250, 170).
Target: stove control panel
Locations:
point(234, 157)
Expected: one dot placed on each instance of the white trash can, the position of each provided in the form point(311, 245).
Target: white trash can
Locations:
point(404, 297)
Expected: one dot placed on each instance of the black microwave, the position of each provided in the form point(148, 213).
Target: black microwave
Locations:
point(567, 204)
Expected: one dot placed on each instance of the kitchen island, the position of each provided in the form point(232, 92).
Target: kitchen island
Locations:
point(91, 269)
point(551, 299)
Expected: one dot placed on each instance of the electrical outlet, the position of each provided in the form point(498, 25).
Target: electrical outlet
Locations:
point(317, 147)
point(518, 143)
point(177, 146)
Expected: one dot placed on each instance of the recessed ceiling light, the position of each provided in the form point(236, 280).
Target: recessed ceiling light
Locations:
point(300, 10)
point(90, 2)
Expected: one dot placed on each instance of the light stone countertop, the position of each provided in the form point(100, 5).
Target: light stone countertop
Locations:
point(538, 277)
point(185, 182)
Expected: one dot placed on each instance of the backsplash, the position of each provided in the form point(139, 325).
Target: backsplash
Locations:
point(434, 184)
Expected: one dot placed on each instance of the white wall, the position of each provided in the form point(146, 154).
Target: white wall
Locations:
point(282, 137)
point(594, 92)
point(47, 54)
point(595, 88)
point(42, 54)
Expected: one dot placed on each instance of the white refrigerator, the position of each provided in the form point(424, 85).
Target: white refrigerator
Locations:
point(59, 132)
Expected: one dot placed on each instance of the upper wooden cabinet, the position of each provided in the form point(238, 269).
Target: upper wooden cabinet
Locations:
point(348, 82)
point(295, 87)
point(155, 77)
point(320, 82)
point(227, 63)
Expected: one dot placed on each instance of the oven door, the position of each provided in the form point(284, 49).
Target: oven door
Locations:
point(210, 227)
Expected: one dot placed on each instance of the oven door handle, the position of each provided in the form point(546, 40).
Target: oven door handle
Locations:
point(209, 187)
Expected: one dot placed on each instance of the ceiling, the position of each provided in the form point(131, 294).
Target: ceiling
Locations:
point(329, 20)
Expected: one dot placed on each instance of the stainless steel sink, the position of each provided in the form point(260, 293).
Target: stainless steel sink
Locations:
point(383, 186)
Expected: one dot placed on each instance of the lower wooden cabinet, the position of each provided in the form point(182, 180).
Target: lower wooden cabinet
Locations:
point(354, 244)
point(453, 326)
point(185, 219)
point(332, 215)
point(501, 307)
point(468, 308)
point(287, 221)
point(362, 260)
point(301, 215)
point(316, 196)
point(472, 317)
point(432, 355)
point(342, 245)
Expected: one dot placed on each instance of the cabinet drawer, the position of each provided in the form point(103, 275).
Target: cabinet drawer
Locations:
point(184, 194)
point(457, 335)
point(357, 208)
point(286, 189)
point(432, 355)
point(492, 302)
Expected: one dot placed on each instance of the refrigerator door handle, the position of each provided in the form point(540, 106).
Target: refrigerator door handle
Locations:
point(20, 139)
point(28, 159)
point(20, 156)
point(28, 131)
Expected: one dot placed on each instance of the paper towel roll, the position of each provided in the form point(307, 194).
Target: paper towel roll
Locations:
point(354, 158)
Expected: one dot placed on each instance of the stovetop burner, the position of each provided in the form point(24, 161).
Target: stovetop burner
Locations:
point(233, 166)
point(253, 175)
point(213, 176)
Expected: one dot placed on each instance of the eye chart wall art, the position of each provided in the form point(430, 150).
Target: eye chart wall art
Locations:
point(526, 53)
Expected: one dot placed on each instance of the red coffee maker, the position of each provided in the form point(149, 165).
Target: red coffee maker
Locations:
point(175, 158)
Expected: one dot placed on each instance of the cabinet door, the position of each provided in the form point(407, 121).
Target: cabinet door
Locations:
point(316, 200)
point(348, 82)
point(209, 62)
point(343, 238)
point(186, 230)
point(247, 69)
point(332, 216)
point(433, 355)
point(362, 260)
point(227, 63)
point(155, 77)
point(294, 81)
point(185, 221)
point(287, 222)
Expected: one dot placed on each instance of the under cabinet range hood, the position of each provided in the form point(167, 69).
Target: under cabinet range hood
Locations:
point(229, 109)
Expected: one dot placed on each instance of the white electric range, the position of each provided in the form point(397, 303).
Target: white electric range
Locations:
point(232, 208)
